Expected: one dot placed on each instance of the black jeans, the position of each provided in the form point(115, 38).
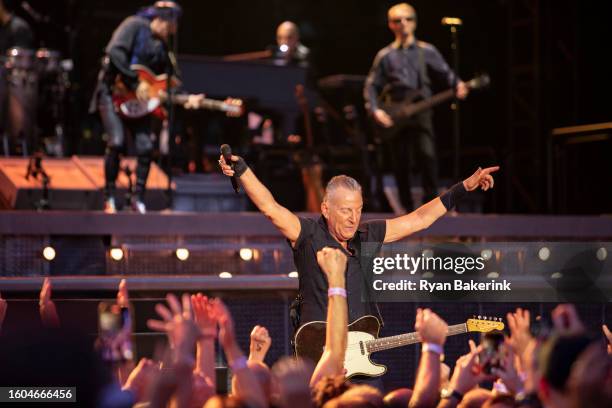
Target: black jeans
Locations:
point(414, 146)
point(115, 127)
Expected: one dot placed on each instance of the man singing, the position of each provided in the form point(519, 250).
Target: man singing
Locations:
point(141, 39)
point(404, 68)
point(339, 227)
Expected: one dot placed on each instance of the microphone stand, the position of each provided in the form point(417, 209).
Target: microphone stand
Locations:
point(454, 23)
point(34, 169)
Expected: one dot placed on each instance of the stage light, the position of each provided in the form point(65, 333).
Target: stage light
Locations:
point(293, 274)
point(544, 253)
point(116, 254)
point(427, 275)
point(225, 275)
point(602, 254)
point(556, 275)
point(486, 254)
point(492, 275)
point(427, 253)
point(49, 253)
point(182, 254)
point(284, 47)
point(246, 254)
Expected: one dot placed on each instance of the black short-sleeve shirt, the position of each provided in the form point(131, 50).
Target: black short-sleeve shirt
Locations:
point(314, 236)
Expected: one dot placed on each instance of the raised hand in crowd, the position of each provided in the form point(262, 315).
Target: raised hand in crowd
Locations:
point(432, 330)
point(3, 307)
point(205, 351)
point(48, 311)
point(260, 344)
point(466, 375)
point(247, 387)
point(140, 379)
point(332, 262)
point(123, 298)
point(508, 374)
point(566, 320)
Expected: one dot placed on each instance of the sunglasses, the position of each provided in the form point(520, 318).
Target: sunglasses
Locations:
point(399, 20)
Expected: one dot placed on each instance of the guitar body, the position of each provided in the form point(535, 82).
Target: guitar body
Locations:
point(310, 343)
point(127, 104)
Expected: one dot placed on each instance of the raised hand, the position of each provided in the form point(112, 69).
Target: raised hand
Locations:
point(520, 336)
point(260, 344)
point(467, 373)
point(141, 377)
point(481, 178)
point(508, 373)
point(566, 320)
point(48, 311)
point(333, 263)
point(431, 328)
point(204, 315)
point(123, 299)
point(227, 333)
point(178, 324)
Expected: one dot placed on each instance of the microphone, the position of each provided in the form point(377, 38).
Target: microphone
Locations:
point(226, 152)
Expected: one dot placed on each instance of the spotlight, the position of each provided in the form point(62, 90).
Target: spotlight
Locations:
point(544, 253)
point(427, 275)
point(225, 275)
point(284, 47)
point(556, 275)
point(49, 253)
point(293, 274)
point(492, 275)
point(427, 253)
point(246, 254)
point(116, 254)
point(602, 254)
point(486, 254)
point(182, 254)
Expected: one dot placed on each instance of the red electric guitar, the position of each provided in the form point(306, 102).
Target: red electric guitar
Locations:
point(129, 106)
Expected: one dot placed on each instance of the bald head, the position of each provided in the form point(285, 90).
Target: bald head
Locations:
point(288, 34)
point(402, 21)
point(400, 8)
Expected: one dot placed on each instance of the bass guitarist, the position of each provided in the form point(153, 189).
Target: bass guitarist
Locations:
point(400, 70)
point(141, 39)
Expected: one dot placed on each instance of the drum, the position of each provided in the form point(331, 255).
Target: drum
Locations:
point(48, 61)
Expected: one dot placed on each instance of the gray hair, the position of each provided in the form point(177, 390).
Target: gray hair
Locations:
point(341, 181)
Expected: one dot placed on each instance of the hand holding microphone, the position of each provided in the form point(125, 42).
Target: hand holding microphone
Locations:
point(232, 166)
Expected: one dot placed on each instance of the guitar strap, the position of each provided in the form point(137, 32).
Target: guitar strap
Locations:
point(423, 76)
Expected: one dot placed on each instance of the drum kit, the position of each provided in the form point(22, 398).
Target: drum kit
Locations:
point(33, 90)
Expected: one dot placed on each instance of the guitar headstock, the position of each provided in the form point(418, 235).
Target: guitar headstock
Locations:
point(478, 82)
point(482, 324)
point(234, 108)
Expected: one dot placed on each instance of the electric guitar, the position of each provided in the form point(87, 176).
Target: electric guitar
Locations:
point(129, 106)
point(402, 110)
point(363, 341)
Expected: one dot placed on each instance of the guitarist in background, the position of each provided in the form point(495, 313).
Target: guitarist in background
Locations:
point(141, 39)
point(404, 68)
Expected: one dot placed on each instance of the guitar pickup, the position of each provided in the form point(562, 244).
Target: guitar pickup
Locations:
point(362, 348)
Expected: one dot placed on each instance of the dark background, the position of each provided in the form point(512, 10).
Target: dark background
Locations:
point(547, 60)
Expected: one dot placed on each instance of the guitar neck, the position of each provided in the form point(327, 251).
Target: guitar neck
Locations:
point(386, 343)
point(204, 103)
point(428, 103)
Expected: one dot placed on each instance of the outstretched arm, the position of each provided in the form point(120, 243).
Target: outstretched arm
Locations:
point(333, 264)
point(283, 219)
point(427, 214)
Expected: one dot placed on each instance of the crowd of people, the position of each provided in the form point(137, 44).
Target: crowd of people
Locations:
point(563, 367)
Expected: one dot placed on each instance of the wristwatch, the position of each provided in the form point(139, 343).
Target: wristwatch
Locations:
point(447, 393)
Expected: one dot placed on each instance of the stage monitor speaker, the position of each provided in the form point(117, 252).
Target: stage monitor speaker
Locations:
point(74, 183)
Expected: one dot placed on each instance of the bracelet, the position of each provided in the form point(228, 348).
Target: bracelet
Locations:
point(239, 167)
point(336, 292)
point(238, 364)
point(453, 195)
point(434, 348)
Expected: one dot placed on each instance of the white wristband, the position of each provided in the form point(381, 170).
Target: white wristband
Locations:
point(336, 291)
point(434, 348)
